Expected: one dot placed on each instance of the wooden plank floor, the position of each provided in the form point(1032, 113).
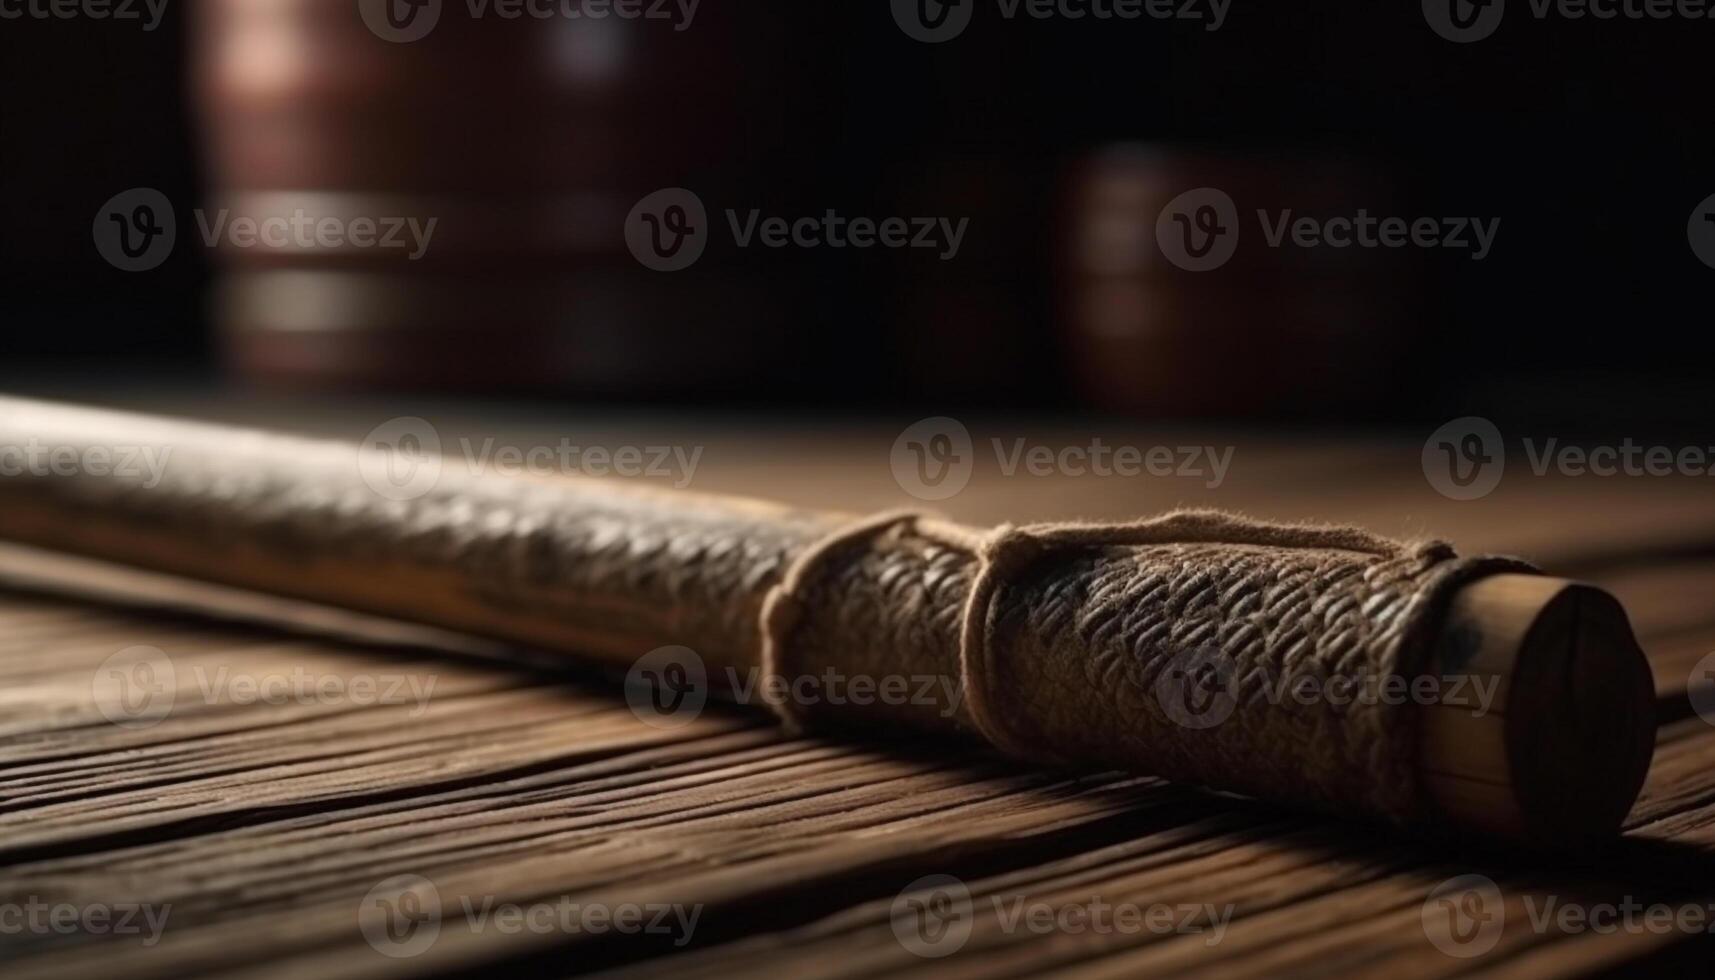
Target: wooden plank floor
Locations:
point(273, 837)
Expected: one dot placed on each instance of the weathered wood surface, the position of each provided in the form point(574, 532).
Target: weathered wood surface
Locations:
point(263, 829)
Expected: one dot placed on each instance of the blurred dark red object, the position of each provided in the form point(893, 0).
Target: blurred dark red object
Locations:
point(1267, 329)
point(527, 141)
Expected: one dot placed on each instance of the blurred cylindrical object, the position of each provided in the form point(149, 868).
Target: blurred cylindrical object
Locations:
point(1175, 300)
point(967, 324)
point(450, 209)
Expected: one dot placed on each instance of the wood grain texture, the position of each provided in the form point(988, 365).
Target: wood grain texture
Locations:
point(266, 827)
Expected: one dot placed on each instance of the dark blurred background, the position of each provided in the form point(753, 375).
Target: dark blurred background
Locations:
point(1059, 139)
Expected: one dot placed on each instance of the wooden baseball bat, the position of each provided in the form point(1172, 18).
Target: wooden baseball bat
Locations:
point(1063, 639)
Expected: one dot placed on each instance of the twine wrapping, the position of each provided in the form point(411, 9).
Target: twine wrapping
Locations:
point(1274, 602)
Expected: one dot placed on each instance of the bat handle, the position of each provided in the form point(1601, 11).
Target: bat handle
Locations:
point(1545, 725)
